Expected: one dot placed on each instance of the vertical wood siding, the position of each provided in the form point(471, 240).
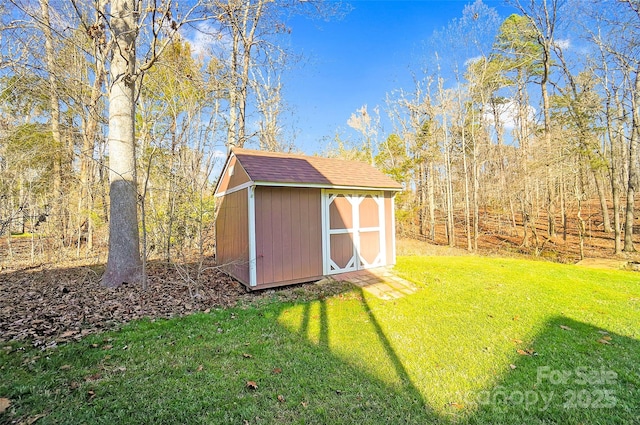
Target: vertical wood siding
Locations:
point(342, 251)
point(232, 235)
point(369, 246)
point(369, 216)
point(340, 213)
point(288, 234)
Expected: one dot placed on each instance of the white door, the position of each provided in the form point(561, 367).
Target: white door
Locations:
point(354, 231)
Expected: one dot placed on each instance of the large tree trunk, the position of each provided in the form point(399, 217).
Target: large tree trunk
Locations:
point(124, 263)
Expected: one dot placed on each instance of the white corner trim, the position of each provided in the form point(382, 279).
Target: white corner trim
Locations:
point(393, 228)
point(253, 279)
point(383, 229)
point(324, 213)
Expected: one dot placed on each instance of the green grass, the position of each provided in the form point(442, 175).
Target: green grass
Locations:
point(446, 354)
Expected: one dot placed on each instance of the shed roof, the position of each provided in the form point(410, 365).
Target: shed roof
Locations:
point(273, 167)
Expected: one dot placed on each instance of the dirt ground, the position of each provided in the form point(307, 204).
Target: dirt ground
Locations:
point(499, 236)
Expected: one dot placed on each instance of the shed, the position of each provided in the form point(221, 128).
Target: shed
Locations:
point(284, 219)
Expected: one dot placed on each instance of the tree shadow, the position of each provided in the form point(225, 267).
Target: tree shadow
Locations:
point(571, 373)
point(333, 360)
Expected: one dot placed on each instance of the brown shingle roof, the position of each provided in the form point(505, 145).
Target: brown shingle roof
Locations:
point(289, 168)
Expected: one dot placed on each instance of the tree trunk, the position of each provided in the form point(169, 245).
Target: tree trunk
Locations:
point(54, 104)
point(615, 146)
point(90, 135)
point(551, 207)
point(432, 203)
point(124, 263)
point(232, 129)
point(633, 167)
point(467, 202)
point(602, 196)
point(422, 198)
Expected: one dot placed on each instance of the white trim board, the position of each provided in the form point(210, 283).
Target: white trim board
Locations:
point(253, 280)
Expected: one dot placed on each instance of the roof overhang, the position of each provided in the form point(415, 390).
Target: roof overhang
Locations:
point(305, 186)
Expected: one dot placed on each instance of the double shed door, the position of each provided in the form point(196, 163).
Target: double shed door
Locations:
point(354, 230)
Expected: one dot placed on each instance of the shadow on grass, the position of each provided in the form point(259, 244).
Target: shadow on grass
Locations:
point(576, 373)
point(570, 373)
point(315, 362)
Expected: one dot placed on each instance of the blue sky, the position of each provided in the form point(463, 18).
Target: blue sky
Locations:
point(358, 60)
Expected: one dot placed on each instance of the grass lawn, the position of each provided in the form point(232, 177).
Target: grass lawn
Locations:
point(483, 340)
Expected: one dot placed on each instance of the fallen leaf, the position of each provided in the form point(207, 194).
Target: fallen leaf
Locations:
point(107, 347)
point(65, 367)
point(67, 334)
point(276, 371)
point(34, 419)
point(247, 356)
point(456, 405)
point(281, 398)
point(91, 394)
point(93, 377)
point(304, 403)
point(199, 369)
point(516, 317)
point(4, 404)
point(604, 341)
point(517, 341)
point(207, 311)
point(121, 369)
point(603, 332)
point(252, 385)
point(566, 328)
point(512, 366)
point(606, 338)
point(527, 352)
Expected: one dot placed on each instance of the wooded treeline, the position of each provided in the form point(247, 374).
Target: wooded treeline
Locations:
point(109, 107)
point(517, 121)
point(511, 120)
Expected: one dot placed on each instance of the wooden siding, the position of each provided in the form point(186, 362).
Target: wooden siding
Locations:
point(230, 181)
point(341, 249)
point(340, 213)
point(288, 235)
point(369, 213)
point(369, 246)
point(232, 235)
point(389, 230)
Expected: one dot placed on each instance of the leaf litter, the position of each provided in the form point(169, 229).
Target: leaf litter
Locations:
point(49, 306)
